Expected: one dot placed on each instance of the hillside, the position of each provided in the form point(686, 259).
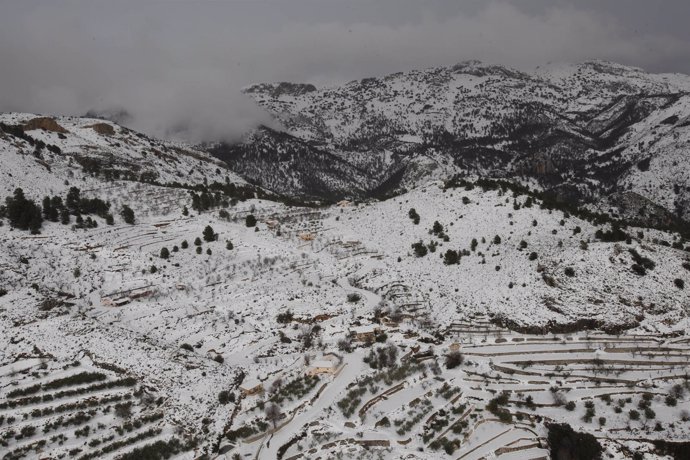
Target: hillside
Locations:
point(583, 132)
point(139, 336)
point(48, 155)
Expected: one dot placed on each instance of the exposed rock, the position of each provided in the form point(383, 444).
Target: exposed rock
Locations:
point(45, 123)
point(104, 129)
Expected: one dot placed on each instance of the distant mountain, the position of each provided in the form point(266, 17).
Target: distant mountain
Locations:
point(596, 132)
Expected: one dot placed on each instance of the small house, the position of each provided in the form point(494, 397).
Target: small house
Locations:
point(326, 365)
point(365, 333)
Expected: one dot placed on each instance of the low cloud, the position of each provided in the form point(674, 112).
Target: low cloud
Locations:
point(178, 67)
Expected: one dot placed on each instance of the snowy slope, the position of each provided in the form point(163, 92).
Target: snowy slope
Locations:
point(91, 151)
point(579, 131)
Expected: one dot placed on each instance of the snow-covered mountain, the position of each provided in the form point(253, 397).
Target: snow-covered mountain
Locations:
point(51, 154)
point(582, 132)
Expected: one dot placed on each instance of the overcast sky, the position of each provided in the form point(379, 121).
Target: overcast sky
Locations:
point(174, 63)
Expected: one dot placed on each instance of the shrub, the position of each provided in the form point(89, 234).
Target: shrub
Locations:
point(451, 257)
point(569, 271)
point(198, 250)
point(127, 214)
point(250, 221)
point(454, 359)
point(225, 397)
point(229, 246)
point(165, 254)
point(679, 283)
point(414, 216)
point(420, 250)
point(184, 244)
point(353, 297)
point(570, 406)
point(197, 241)
point(284, 318)
point(497, 239)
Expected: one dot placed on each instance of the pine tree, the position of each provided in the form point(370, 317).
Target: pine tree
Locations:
point(250, 220)
point(197, 241)
point(209, 234)
point(184, 244)
point(451, 257)
point(165, 253)
point(127, 214)
point(22, 213)
point(185, 211)
point(497, 239)
point(229, 246)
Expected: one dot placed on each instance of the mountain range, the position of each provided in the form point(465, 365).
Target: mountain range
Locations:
point(598, 133)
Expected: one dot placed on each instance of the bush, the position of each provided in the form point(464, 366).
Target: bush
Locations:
point(165, 254)
point(451, 257)
point(199, 250)
point(414, 216)
point(285, 318)
point(533, 256)
point(127, 215)
point(420, 250)
point(250, 221)
point(566, 444)
point(354, 297)
point(497, 239)
point(679, 283)
point(570, 406)
point(225, 397)
point(184, 244)
point(454, 359)
point(229, 246)
point(197, 241)
point(569, 271)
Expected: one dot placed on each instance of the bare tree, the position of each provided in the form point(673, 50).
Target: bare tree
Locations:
point(273, 414)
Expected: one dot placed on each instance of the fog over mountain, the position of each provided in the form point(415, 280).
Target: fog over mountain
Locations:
point(178, 67)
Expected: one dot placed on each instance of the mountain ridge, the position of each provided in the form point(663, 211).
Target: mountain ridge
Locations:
point(582, 132)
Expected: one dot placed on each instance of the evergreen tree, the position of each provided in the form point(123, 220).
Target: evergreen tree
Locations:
point(497, 239)
point(473, 245)
point(64, 216)
point(165, 253)
point(185, 211)
point(127, 214)
point(209, 234)
point(250, 220)
point(229, 246)
point(73, 200)
point(451, 257)
point(420, 250)
point(184, 244)
point(197, 241)
point(437, 228)
point(22, 213)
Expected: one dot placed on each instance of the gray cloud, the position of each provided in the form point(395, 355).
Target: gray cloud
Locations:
point(178, 66)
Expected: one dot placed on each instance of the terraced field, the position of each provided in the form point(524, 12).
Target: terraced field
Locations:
point(82, 409)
